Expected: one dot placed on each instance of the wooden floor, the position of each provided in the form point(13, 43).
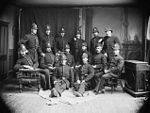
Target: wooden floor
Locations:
point(30, 102)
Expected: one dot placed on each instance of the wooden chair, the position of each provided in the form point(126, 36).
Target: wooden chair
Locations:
point(115, 81)
point(29, 76)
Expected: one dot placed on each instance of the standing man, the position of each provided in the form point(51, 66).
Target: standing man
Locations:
point(99, 63)
point(32, 42)
point(63, 78)
point(85, 75)
point(96, 39)
point(77, 45)
point(61, 41)
point(114, 69)
point(48, 39)
point(109, 42)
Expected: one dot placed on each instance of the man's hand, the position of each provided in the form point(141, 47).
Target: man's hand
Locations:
point(106, 54)
point(63, 78)
point(99, 40)
point(106, 71)
point(94, 66)
point(28, 67)
point(43, 54)
point(55, 82)
point(77, 66)
point(78, 81)
point(83, 81)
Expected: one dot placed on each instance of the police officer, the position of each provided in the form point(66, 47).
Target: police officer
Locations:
point(109, 42)
point(32, 42)
point(61, 41)
point(63, 78)
point(85, 75)
point(70, 58)
point(99, 63)
point(114, 68)
point(26, 61)
point(48, 38)
point(77, 45)
point(96, 39)
point(84, 50)
point(47, 61)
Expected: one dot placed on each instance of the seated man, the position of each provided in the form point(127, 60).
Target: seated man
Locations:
point(26, 61)
point(70, 58)
point(115, 67)
point(99, 63)
point(63, 77)
point(47, 61)
point(85, 75)
point(84, 49)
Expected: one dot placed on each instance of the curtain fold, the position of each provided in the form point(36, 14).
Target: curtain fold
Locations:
point(148, 42)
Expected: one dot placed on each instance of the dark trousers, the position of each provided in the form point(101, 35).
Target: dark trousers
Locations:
point(101, 83)
point(97, 79)
point(47, 78)
point(42, 81)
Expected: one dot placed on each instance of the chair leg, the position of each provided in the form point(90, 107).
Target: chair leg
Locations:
point(39, 84)
point(20, 85)
point(121, 84)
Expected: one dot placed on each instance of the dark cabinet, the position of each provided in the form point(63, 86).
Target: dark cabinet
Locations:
point(137, 77)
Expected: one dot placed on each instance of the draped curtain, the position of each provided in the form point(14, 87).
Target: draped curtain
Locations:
point(55, 17)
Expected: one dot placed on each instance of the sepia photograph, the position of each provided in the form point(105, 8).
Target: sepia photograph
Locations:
point(74, 56)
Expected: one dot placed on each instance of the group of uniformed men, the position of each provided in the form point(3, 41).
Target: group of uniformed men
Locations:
point(61, 70)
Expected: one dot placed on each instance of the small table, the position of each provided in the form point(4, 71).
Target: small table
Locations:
point(30, 75)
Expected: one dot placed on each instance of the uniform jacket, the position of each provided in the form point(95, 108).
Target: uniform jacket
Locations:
point(93, 44)
point(32, 44)
point(109, 43)
point(26, 60)
point(61, 43)
point(70, 59)
point(64, 71)
point(86, 72)
point(31, 41)
point(116, 64)
point(100, 61)
point(77, 45)
point(47, 60)
point(49, 39)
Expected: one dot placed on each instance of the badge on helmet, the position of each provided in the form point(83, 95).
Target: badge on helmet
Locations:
point(84, 55)
point(34, 26)
point(116, 46)
point(62, 30)
point(48, 27)
point(67, 46)
point(95, 29)
point(108, 29)
point(48, 45)
point(84, 44)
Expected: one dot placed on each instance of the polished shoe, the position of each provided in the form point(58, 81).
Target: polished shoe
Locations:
point(77, 94)
point(102, 91)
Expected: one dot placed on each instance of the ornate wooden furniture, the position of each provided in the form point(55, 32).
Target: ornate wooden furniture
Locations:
point(28, 75)
point(137, 77)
